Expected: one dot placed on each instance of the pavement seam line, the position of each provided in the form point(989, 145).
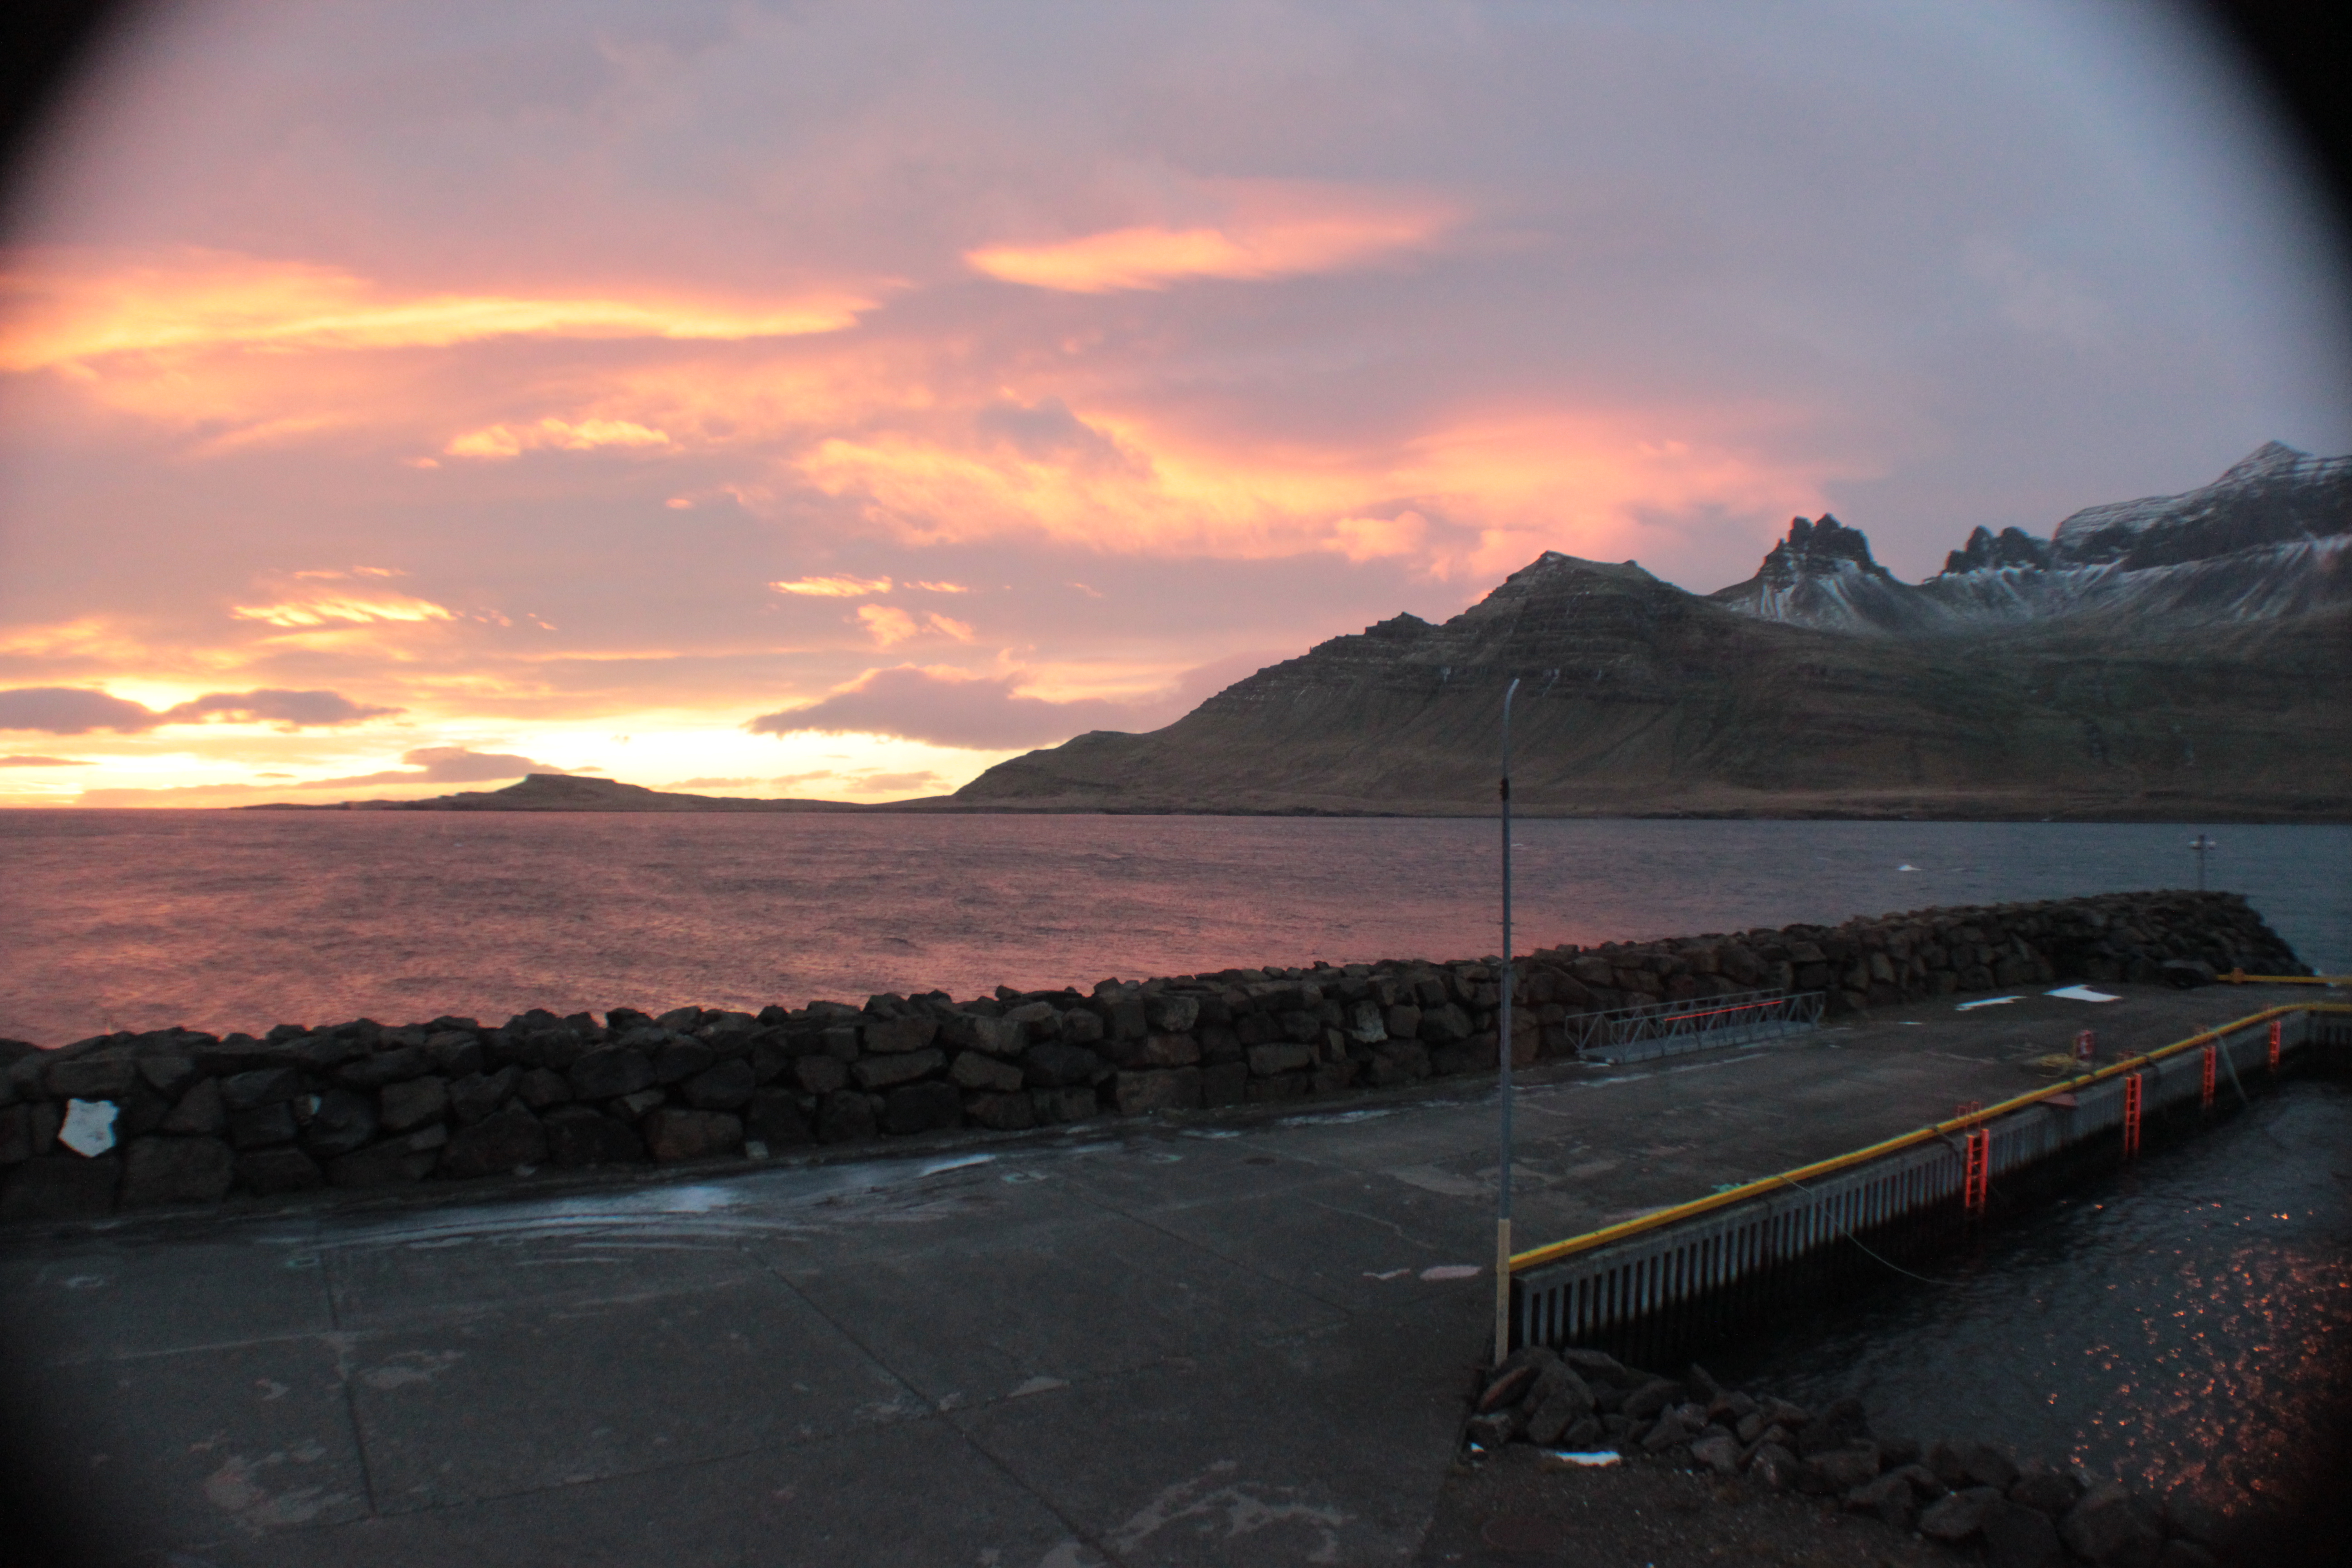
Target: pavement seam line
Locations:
point(341, 1342)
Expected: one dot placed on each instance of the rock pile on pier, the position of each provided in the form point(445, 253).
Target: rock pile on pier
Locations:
point(176, 1116)
point(1967, 1494)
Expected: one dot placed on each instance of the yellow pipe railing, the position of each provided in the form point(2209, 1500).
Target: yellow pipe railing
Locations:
point(2239, 977)
point(1557, 1250)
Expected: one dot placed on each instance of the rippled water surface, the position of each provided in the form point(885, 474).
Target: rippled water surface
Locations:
point(2184, 1323)
point(240, 919)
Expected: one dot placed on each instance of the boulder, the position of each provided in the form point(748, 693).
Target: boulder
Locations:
point(1141, 1093)
point(1275, 1060)
point(1488, 1431)
point(974, 1070)
point(2039, 1486)
point(633, 1109)
point(1775, 1466)
point(1558, 1400)
point(675, 1061)
point(1959, 1515)
point(923, 1107)
point(672, 1134)
point(819, 1074)
point(176, 1171)
point(1014, 1113)
point(168, 1076)
point(476, 1095)
point(775, 1117)
point(92, 1077)
point(578, 1135)
point(500, 1142)
point(2111, 1528)
point(342, 1120)
point(267, 1172)
point(1719, 1452)
point(1646, 1401)
point(397, 1066)
point(1055, 1066)
point(1226, 1083)
point(262, 1086)
point(405, 1107)
point(201, 1110)
point(1887, 1499)
point(1165, 1051)
point(1840, 1424)
point(1172, 1013)
point(727, 1087)
point(874, 1074)
point(2020, 1537)
point(897, 1037)
point(262, 1126)
point(61, 1186)
point(1840, 1470)
point(609, 1072)
point(1959, 1465)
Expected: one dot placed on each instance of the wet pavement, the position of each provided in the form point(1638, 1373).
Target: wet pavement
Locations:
point(1232, 1339)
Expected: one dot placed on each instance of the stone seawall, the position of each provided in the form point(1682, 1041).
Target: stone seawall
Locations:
point(176, 1117)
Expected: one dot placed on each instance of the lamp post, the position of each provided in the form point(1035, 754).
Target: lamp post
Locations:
point(2204, 846)
point(1503, 1180)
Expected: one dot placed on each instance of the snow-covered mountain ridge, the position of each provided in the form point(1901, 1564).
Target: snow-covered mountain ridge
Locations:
point(2267, 540)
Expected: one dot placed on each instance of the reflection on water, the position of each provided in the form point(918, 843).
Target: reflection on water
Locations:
point(238, 920)
point(2184, 1323)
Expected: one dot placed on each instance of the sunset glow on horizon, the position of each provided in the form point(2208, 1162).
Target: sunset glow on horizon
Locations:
point(837, 401)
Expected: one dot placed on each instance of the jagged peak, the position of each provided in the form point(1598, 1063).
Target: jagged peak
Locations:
point(1987, 552)
point(2269, 460)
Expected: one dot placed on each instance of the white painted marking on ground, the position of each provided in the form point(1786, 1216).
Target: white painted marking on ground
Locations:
point(2081, 994)
point(1445, 1183)
point(958, 1163)
point(1039, 1385)
point(1391, 1274)
point(1987, 1002)
point(1452, 1271)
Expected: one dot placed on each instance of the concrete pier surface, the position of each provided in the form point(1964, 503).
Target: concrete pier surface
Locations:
point(1233, 1338)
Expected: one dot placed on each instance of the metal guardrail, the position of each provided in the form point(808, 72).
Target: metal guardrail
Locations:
point(1612, 1277)
point(1699, 1023)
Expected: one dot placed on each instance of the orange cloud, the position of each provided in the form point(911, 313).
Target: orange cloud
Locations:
point(1475, 494)
point(510, 441)
point(68, 307)
point(330, 609)
point(891, 625)
point(834, 587)
point(1281, 231)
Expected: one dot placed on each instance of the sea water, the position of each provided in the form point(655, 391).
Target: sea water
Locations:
point(224, 920)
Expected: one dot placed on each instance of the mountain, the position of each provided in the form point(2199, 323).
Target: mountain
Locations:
point(2181, 657)
point(2267, 539)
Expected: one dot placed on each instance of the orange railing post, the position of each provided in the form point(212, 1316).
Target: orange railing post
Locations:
point(2131, 1114)
point(2211, 1054)
point(2275, 1031)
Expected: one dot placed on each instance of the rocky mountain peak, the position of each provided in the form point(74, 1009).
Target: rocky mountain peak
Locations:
point(2271, 460)
point(1819, 549)
point(1984, 551)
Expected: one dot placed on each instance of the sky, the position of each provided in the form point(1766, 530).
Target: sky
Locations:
point(834, 399)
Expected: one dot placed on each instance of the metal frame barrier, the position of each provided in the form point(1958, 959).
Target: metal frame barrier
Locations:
point(1651, 1030)
point(1609, 1279)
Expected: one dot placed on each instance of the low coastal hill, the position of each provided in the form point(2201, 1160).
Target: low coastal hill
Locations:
point(2181, 657)
point(571, 792)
